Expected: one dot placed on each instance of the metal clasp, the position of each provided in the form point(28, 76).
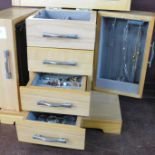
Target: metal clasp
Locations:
point(56, 8)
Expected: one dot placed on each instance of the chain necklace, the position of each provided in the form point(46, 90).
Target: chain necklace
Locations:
point(112, 47)
point(124, 75)
point(136, 54)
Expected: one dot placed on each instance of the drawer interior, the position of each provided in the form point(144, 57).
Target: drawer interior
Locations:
point(52, 118)
point(121, 54)
point(64, 15)
point(41, 128)
point(59, 81)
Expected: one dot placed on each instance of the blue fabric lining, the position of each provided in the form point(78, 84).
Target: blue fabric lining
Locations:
point(117, 85)
point(110, 54)
point(64, 15)
point(31, 116)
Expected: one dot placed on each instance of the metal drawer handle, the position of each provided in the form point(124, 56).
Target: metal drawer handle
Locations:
point(49, 139)
point(61, 105)
point(67, 36)
point(50, 62)
point(7, 64)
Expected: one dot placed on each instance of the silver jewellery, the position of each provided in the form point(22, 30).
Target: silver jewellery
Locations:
point(57, 118)
point(136, 54)
point(124, 74)
point(60, 81)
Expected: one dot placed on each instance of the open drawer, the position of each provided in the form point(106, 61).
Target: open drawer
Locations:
point(62, 29)
point(51, 129)
point(40, 95)
point(122, 54)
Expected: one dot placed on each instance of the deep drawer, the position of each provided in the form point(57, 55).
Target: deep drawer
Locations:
point(62, 29)
point(38, 97)
point(51, 129)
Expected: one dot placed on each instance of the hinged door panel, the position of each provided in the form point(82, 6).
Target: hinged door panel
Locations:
point(9, 79)
point(122, 52)
point(8, 75)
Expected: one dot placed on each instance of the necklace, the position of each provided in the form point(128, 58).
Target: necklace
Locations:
point(124, 75)
point(111, 55)
point(136, 54)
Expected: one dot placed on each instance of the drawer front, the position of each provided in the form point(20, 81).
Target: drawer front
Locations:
point(58, 135)
point(60, 61)
point(123, 5)
point(45, 33)
point(55, 101)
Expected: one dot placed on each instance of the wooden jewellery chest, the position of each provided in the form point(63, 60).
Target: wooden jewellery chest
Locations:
point(60, 62)
point(62, 45)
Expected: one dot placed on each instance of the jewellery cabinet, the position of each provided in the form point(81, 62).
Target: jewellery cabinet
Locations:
point(70, 55)
point(60, 79)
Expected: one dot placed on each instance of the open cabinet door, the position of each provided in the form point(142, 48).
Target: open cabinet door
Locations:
point(10, 51)
point(122, 52)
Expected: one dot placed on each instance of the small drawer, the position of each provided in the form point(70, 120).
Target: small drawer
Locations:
point(63, 61)
point(51, 129)
point(42, 94)
point(62, 29)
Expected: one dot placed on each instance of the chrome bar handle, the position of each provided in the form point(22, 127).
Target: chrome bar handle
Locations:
point(49, 139)
point(60, 63)
point(7, 64)
point(53, 35)
point(55, 105)
point(152, 54)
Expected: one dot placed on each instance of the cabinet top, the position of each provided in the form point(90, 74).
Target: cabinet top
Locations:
point(15, 13)
point(122, 5)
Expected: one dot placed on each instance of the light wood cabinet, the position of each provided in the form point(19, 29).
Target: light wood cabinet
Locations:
point(62, 41)
point(60, 61)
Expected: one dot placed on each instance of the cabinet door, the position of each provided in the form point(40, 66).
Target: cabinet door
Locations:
point(8, 67)
point(122, 52)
